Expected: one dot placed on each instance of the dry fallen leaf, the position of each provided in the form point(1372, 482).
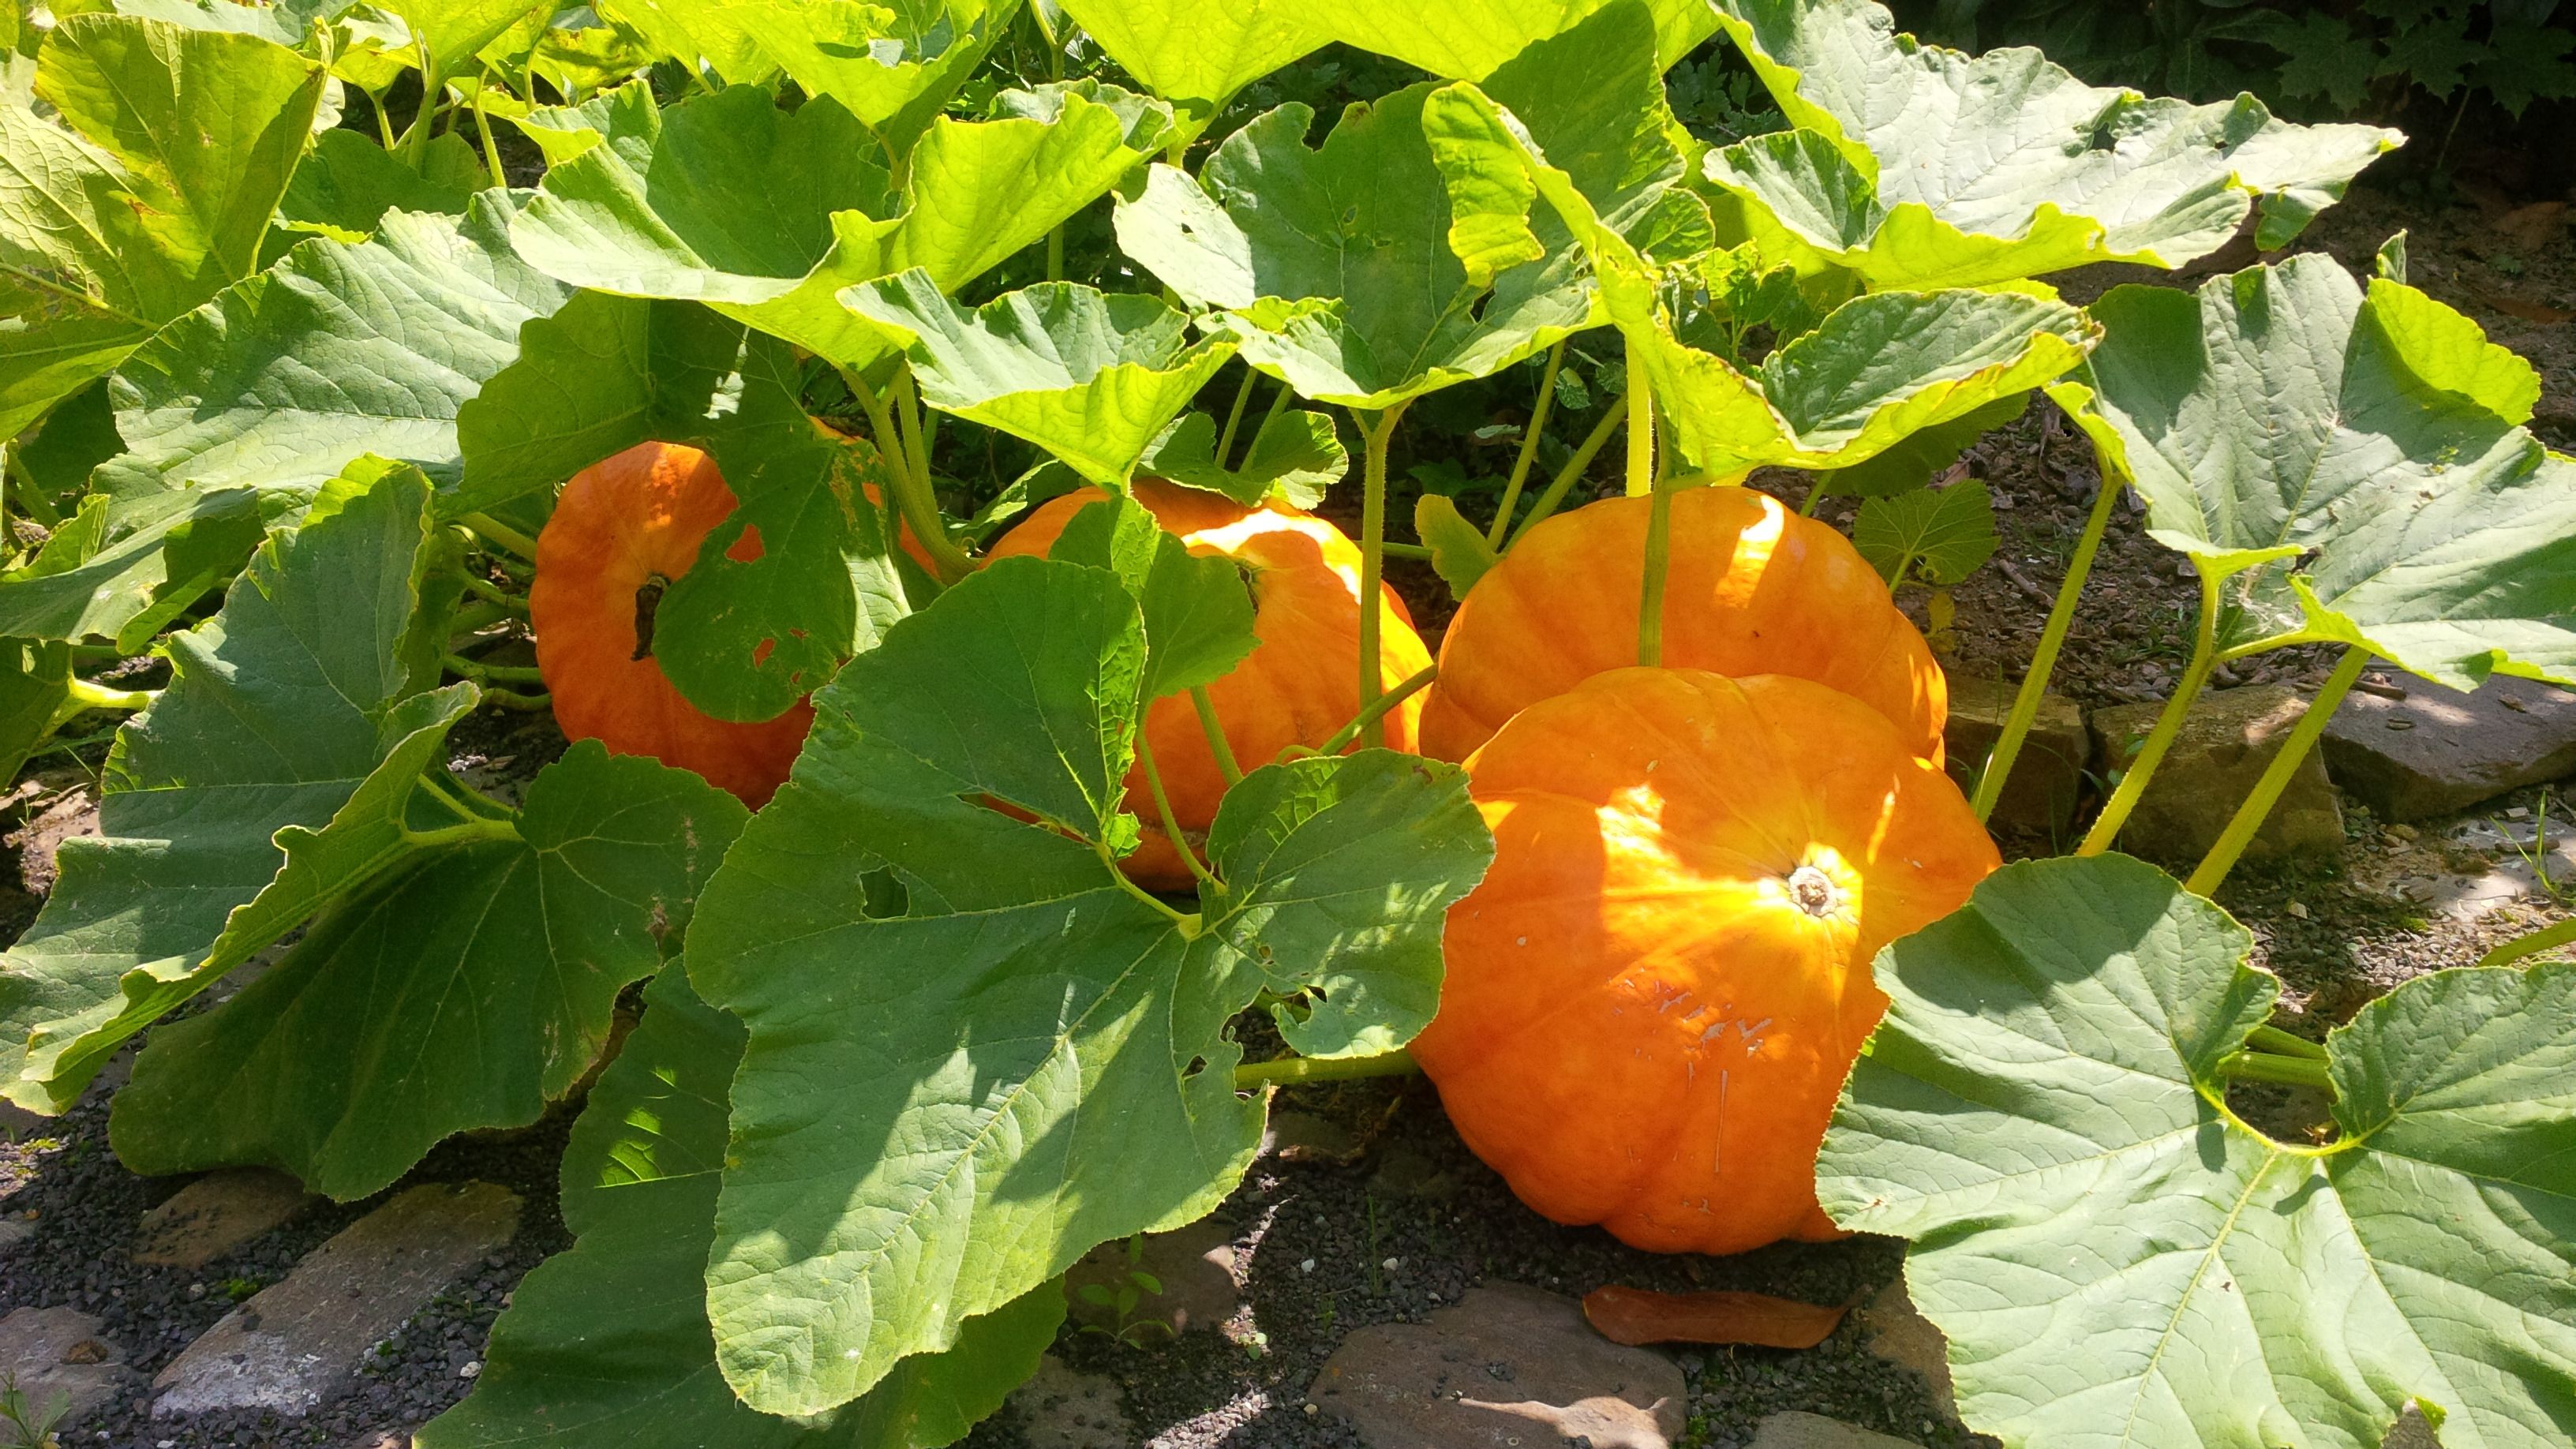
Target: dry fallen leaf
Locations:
point(2535, 226)
point(2513, 306)
point(1639, 1315)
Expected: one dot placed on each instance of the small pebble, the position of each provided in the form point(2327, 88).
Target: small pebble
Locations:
point(470, 1370)
point(1312, 1410)
point(2298, 910)
point(2519, 812)
point(1392, 1264)
point(1307, 1266)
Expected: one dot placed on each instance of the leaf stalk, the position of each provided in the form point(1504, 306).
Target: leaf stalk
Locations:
point(1593, 442)
point(2043, 662)
point(1292, 1071)
point(1529, 447)
point(1373, 566)
point(2257, 808)
point(2133, 784)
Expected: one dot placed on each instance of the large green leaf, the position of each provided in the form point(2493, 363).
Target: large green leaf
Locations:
point(974, 1051)
point(1916, 166)
point(1296, 457)
point(1092, 379)
point(153, 193)
point(347, 183)
point(697, 33)
point(341, 349)
point(1470, 39)
point(35, 684)
point(291, 708)
point(1875, 371)
point(464, 989)
point(1196, 608)
point(609, 1344)
point(2117, 1259)
point(1198, 53)
point(125, 566)
point(1335, 262)
point(2351, 458)
point(451, 31)
point(766, 216)
point(892, 66)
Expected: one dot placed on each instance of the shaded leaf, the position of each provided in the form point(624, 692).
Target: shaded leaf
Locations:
point(1459, 553)
point(2045, 1098)
point(346, 183)
point(609, 1343)
point(1047, 1046)
point(1295, 458)
point(1935, 535)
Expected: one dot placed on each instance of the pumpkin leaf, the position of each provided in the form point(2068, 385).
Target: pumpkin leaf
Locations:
point(1915, 166)
point(766, 216)
point(1459, 553)
point(609, 1343)
point(699, 34)
point(802, 575)
point(346, 183)
point(1000, 1001)
point(282, 712)
point(1921, 456)
point(464, 989)
point(151, 194)
point(35, 683)
point(1334, 264)
point(2349, 458)
point(891, 66)
point(1197, 611)
point(1877, 370)
point(1091, 378)
point(453, 30)
point(1470, 39)
point(1198, 53)
point(1295, 458)
point(597, 377)
point(2046, 1097)
point(626, 118)
point(1935, 535)
point(339, 350)
point(121, 562)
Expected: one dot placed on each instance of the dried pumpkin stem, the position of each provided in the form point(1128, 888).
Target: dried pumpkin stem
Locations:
point(2034, 684)
point(2249, 817)
point(1289, 1071)
point(1373, 566)
point(1163, 811)
point(1413, 684)
point(1566, 476)
point(1218, 744)
point(2133, 784)
point(1529, 447)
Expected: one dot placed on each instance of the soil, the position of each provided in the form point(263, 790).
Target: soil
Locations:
point(1413, 1220)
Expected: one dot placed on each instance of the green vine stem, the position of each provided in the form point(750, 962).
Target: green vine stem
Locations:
point(464, 833)
point(1408, 550)
point(415, 141)
point(79, 694)
point(466, 802)
point(1163, 811)
point(493, 594)
point(1529, 447)
point(2277, 1070)
point(1278, 404)
point(483, 129)
point(1377, 710)
point(2531, 945)
point(2280, 1043)
point(1373, 567)
point(494, 531)
point(1234, 415)
point(2250, 815)
point(2133, 784)
point(501, 673)
point(1290, 1071)
point(1659, 514)
point(2034, 684)
point(1218, 744)
point(1593, 443)
point(914, 502)
point(513, 699)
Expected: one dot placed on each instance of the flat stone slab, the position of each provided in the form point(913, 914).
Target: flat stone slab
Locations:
point(2048, 775)
point(2227, 739)
point(216, 1214)
point(1060, 1408)
point(1904, 1337)
point(61, 1351)
point(294, 1342)
point(1193, 1273)
point(2409, 749)
point(1794, 1430)
point(1508, 1366)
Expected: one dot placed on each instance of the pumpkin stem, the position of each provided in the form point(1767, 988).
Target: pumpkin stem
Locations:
point(1529, 447)
point(2250, 815)
point(2133, 784)
point(1218, 744)
point(648, 602)
point(1814, 891)
point(2034, 684)
point(1642, 479)
point(1593, 443)
point(1342, 737)
point(1373, 565)
point(1287, 1071)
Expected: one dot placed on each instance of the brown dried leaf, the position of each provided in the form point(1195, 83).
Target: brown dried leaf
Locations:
point(1639, 1315)
point(2513, 306)
point(2535, 226)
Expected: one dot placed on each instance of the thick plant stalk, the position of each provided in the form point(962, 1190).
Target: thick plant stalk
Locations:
point(1234, 416)
point(1659, 516)
point(2034, 684)
point(1218, 744)
point(1529, 447)
point(495, 531)
point(1288, 1071)
point(1593, 443)
point(913, 501)
point(2278, 1070)
point(1163, 812)
point(80, 694)
point(1373, 569)
point(2204, 657)
point(1376, 711)
point(2249, 816)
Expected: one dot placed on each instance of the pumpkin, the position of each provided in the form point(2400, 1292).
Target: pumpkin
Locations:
point(622, 531)
point(1655, 994)
point(1751, 588)
point(1298, 686)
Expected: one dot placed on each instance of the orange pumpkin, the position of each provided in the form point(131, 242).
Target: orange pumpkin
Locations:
point(1299, 685)
point(1751, 589)
point(622, 530)
point(1655, 994)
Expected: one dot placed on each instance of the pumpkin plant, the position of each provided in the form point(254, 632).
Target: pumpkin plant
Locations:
point(327, 411)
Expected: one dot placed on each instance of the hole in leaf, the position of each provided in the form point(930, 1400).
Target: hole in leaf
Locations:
point(748, 548)
point(882, 896)
point(760, 652)
point(1196, 1066)
point(648, 601)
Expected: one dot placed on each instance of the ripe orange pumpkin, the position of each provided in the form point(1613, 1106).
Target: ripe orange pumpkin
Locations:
point(1653, 998)
point(622, 530)
point(1751, 589)
point(1298, 686)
